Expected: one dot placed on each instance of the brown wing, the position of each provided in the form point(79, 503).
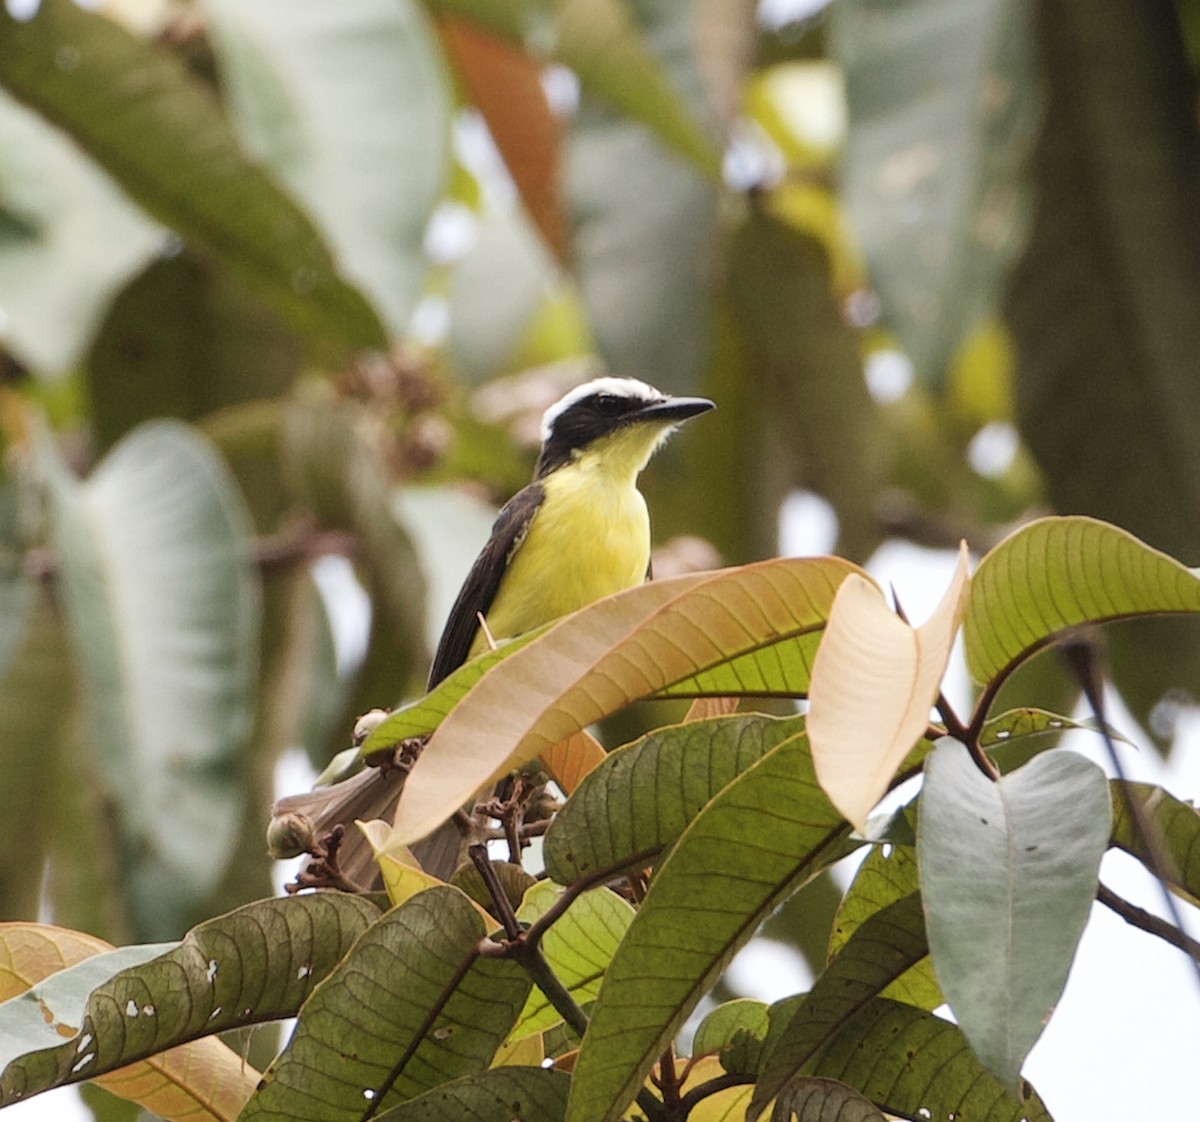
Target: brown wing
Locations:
point(483, 581)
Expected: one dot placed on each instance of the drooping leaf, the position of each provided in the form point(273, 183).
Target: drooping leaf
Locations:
point(644, 795)
point(616, 651)
point(504, 83)
point(37, 697)
point(578, 947)
point(874, 682)
point(350, 107)
point(412, 1006)
point(1055, 573)
point(256, 964)
point(912, 1064)
point(1008, 874)
point(136, 110)
point(933, 173)
point(162, 605)
point(601, 43)
point(504, 1094)
point(767, 832)
point(887, 944)
point(68, 239)
point(1173, 849)
point(888, 874)
point(734, 1032)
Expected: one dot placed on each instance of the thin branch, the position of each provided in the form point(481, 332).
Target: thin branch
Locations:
point(1148, 922)
point(501, 904)
point(711, 1087)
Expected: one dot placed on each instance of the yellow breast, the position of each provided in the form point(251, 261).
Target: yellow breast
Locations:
point(589, 538)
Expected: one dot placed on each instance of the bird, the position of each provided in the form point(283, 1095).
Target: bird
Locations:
point(579, 531)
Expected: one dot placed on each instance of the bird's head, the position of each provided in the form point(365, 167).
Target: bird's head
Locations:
point(621, 420)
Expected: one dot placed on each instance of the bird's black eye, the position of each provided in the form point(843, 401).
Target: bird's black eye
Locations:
point(608, 405)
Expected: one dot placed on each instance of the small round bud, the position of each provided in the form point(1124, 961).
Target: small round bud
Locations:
point(289, 835)
point(368, 723)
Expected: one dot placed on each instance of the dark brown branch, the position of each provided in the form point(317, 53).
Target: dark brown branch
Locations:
point(1148, 922)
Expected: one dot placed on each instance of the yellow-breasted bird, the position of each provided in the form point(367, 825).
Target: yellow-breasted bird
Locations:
point(578, 532)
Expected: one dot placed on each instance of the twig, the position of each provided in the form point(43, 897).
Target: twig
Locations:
point(503, 907)
point(711, 1087)
point(1147, 921)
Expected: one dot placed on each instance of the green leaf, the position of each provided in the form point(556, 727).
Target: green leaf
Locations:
point(1055, 573)
point(162, 604)
point(734, 1031)
point(1174, 851)
point(1008, 875)
point(888, 874)
point(823, 1100)
point(1020, 724)
point(254, 965)
point(350, 106)
point(765, 834)
point(601, 43)
point(37, 694)
point(504, 1094)
point(138, 112)
point(578, 947)
point(944, 106)
point(887, 944)
point(412, 1006)
point(68, 240)
point(643, 796)
point(913, 1064)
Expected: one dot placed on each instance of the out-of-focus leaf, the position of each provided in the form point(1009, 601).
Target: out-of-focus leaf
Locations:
point(601, 42)
point(185, 339)
point(497, 288)
point(16, 589)
point(1055, 573)
point(504, 1094)
point(644, 795)
point(888, 874)
point(136, 110)
point(938, 1073)
point(944, 105)
point(37, 694)
point(419, 1004)
point(874, 681)
point(602, 658)
point(881, 950)
point(803, 364)
point(578, 947)
point(256, 964)
point(761, 837)
point(68, 240)
point(1173, 851)
point(1008, 875)
point(162, 605)
point(734, 1031)
point(349, 106)
point(1102, 305)
point(505, 85)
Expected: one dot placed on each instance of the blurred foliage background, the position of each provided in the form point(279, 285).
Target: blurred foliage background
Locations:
point(285, 285)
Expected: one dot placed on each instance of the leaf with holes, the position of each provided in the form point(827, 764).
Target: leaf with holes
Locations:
point(412, 1006)
point(760, 838)
point(1008, 875)
point(644, 795)
point(254, 965)
point(609, 654)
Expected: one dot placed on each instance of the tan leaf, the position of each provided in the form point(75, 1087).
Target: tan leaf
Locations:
point(874, 682)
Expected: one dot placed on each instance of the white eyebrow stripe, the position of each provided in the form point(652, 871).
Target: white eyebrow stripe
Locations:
point(618, 387)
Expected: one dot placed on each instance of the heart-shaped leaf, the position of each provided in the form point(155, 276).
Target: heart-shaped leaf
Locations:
point(1008, 875)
